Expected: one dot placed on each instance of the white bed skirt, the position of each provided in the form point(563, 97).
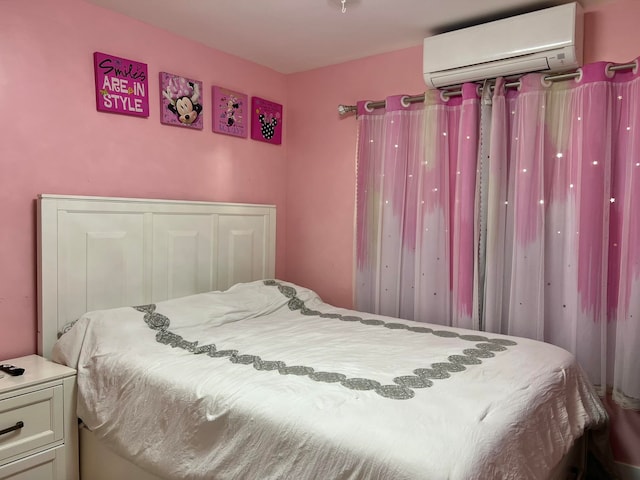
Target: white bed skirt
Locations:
point(98, 462)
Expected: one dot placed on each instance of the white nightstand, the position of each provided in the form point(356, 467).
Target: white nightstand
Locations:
point(40, 406)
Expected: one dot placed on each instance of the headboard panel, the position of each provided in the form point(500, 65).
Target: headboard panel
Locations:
point(99, 252)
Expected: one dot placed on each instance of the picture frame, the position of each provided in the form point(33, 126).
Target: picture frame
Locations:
point(229, 112)
point(122, 85)
point(181, 101)
point(266, 121)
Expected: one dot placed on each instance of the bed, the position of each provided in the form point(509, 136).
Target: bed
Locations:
point(205, 366)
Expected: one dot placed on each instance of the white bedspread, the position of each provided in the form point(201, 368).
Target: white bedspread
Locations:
point(356, 396)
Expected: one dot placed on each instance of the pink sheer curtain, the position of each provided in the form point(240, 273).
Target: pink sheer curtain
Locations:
point(415, 208)
point(540, 240)
point(563, 221)
point(390, 149)
point(445, 237)
point(555, 213)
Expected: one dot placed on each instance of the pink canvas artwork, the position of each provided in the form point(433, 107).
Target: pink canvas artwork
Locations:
point(266, 121)
point(180, 101)
point(229, 112)
point(122, 85)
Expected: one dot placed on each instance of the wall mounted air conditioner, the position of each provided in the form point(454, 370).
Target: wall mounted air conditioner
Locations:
point(548, 40)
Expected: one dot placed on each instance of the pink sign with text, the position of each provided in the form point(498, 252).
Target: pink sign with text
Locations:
point(122, 85)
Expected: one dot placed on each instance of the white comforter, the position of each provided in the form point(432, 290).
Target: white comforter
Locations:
point(391, 399)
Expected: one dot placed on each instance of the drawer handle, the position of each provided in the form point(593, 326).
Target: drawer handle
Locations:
point(17, 426)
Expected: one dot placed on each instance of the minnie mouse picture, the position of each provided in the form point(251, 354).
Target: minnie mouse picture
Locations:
point(229, 111)
point(180, 101)
point(266, 121)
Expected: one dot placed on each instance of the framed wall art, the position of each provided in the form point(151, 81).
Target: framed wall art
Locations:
point(180, 101)
point(122, 85)
point(230, 112)
point(266, 121)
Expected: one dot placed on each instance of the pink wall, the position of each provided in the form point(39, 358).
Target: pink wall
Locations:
point(54, 140)
point(611, 32)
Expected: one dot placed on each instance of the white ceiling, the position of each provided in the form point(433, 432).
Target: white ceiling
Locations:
point(297, 35)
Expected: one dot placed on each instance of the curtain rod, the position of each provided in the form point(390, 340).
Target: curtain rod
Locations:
point(344, 109)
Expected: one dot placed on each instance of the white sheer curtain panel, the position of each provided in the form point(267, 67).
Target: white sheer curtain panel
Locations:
point(540, 238)
point(445, 235)
point(415, 208)
point(390, 152)
point(563, 221)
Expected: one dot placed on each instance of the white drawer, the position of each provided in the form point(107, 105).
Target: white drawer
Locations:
point(41, 466)
point(41, 412)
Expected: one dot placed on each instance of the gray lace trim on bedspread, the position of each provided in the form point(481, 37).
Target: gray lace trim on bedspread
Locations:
point(404, 385)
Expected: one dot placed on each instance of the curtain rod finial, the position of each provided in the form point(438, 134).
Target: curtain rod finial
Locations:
point(344, 110)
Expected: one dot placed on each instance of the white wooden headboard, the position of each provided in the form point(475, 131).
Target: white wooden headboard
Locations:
point(98, 252)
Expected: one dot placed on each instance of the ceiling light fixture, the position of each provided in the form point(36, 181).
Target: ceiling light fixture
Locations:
point(344, 6)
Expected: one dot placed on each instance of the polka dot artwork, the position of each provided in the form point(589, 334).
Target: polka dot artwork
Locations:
point(266, 121)
point(268, 129)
